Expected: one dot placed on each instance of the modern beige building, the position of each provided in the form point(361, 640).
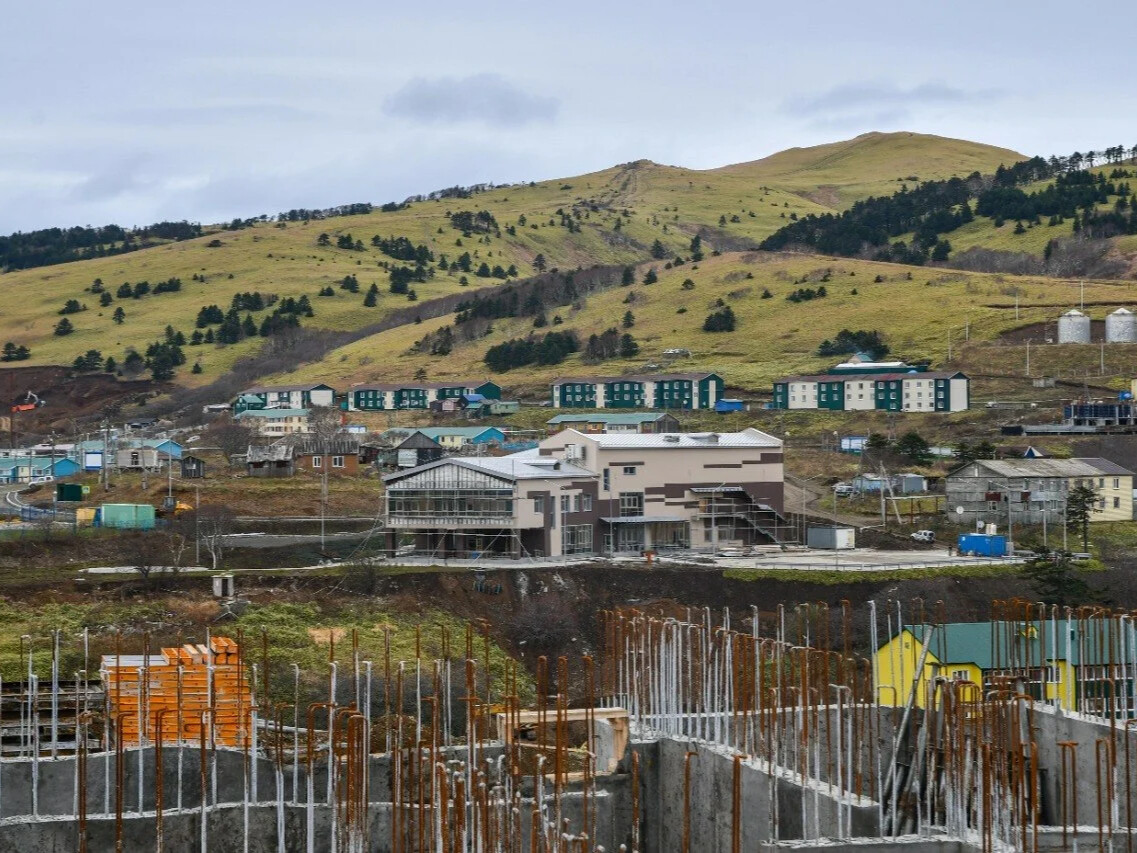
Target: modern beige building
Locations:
point(580, 494)
point(1034, 491)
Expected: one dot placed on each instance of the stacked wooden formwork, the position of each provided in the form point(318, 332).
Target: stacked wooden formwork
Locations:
point(192, 684)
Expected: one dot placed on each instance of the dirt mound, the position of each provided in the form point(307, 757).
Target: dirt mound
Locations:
point(68, 397)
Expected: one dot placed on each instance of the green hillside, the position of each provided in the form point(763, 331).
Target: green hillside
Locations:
point(915, 308)
point(614, 216)
point(839, 173)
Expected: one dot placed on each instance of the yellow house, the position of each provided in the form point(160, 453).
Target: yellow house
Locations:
point(1040, 658)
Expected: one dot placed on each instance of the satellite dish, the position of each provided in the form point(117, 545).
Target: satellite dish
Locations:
point(959, 510)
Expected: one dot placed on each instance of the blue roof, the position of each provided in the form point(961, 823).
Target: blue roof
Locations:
point(471, 433)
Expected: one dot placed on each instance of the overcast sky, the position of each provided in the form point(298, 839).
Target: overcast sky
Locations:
point(132, 112)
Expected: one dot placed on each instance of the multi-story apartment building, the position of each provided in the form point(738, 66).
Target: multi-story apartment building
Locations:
point(275, 422)
point(580, 494)
point(657, 391)
point(285, 397)
point(864, 386)
point(384, 396)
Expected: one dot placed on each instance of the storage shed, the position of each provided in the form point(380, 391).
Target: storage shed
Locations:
point(272, 461)
point(193, 467)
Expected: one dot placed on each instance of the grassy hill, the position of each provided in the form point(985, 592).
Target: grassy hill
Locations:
point(839, 173)
point(609, 217)
point(915, 308)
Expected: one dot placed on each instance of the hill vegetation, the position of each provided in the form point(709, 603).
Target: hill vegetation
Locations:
point(611, 267)
point(905, 312)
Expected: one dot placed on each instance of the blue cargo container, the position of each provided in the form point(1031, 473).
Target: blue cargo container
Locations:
point(727, 404)
point(982, 545)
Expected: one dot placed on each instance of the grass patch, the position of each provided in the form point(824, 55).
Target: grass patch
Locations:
point(829, 577)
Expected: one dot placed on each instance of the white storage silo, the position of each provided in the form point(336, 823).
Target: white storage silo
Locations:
point(1073, 328)
point(1121, 327)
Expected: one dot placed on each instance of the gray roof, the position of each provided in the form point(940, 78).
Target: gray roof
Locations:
point(685, 440)
point(1087, 467)
point(339, 446)
point(516, 466)
point(261, 389)
point(606, 418)
point(271, 453)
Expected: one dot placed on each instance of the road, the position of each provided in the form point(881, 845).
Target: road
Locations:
point(819, 503)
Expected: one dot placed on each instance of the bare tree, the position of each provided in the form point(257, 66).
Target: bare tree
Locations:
point(146, 552)
point(230, 436)
point(178, 538)
point(213, 524)
point(324, 423)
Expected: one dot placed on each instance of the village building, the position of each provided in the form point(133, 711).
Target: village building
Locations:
point(654, 391)
point(385, 396)
point(890, 386)
point(1035, 491)
point(275, 423)
point(285, 397)
point(605, 422)
point(577, 495)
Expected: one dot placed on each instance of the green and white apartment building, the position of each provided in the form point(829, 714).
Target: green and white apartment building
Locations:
point(661, 391)
point(886, 386)
point(386, 396)
point(284, 397)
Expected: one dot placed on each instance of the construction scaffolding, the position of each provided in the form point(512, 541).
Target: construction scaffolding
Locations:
point(444, 753)
point(729, 514)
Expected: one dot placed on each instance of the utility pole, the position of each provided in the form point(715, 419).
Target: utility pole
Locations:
point(1028, 356)
point(1016, 306)
point(54, 491)
point(1102, 367)
point(197, 527)
point(327, 461)
point(949, 344)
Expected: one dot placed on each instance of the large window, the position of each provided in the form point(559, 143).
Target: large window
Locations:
point(576, 539)
point(631, 503)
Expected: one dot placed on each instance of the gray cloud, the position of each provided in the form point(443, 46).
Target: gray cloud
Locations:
point(872, 98)
point(486, 98)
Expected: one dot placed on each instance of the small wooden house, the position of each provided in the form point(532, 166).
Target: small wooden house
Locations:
point(337, 456)
point(274, 460)
point(417, 449)
point(139, 458)
point(193, 467)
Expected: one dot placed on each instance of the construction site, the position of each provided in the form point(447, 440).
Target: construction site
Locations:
point(684, 732)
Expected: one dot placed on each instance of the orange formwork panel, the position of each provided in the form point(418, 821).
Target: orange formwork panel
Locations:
point(153, 681)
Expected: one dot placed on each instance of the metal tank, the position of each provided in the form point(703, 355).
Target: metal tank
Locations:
point(1073, 328)
point(1121, 327)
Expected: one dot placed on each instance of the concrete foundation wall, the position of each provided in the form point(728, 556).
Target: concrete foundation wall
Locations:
point(771, 808)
